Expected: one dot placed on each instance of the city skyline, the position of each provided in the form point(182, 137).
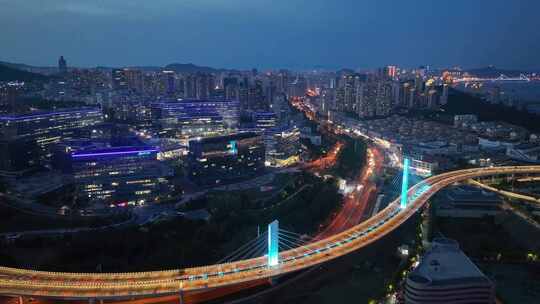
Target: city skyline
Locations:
point(278, 34)
point(269, 151)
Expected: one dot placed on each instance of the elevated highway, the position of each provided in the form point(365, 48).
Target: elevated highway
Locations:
point(82, 286)
point(506, 193)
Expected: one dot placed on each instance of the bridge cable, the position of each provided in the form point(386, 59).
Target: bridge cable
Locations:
point(242, 249)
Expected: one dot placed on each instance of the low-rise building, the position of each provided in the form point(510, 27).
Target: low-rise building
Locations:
point(221, 159)
point(468, 202)
point(284, 147)
point(526, 152)
point(114, 176)
point(446, 275)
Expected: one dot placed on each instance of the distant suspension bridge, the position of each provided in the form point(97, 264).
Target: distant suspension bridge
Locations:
point(501, 78)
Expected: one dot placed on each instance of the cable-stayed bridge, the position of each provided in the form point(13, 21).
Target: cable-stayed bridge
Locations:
point(273, 253)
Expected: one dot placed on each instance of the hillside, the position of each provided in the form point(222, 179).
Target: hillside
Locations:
point(462, 103)
point(191, 68)
point(11, 74)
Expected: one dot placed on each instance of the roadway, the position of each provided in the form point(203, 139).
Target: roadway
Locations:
point(192, 280)
point(508, 194)
point(512, 195)
point(357, 202)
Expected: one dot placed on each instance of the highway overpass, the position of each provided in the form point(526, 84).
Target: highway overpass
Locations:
point(84, 286)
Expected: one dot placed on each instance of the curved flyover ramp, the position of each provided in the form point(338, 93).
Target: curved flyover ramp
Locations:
point(160, 283)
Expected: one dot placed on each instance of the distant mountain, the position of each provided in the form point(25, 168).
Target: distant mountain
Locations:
point(9, 73)
point(192, 68)
point(30, 68)
point(18, 66)
point(177, 67)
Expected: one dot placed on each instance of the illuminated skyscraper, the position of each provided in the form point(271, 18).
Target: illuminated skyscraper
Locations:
point(391, 71)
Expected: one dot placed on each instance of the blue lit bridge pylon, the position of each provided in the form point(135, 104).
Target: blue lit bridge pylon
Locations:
point(273, 243)
point(405, 184)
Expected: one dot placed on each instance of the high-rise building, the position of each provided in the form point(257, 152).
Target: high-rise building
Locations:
point(408, 96)
point(190, 86)
point(119, 80)
point(204, 85)
point(349, 92)
point(446, 275)
point(169, 82)
point(133, 80)
point(256, 98)
point(283, 81)
point(391, 71)
point(444, 95)
point(432, 99)
point(374, 98)
point(328, 97)
point(230, 85)
point(9, 94)
point(62, 65)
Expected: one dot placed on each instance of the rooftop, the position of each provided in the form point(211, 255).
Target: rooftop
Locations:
point(472, 194)
point(38, 114)
point(444, 263)
point(111, 151)
point(218, 139)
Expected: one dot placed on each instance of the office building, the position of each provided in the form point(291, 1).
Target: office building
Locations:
point(264, 120)
point(446, 275)
point(284, 148)
point(119, 80)
point(468, 202)
point(114, 176)
point(196, 118)
point(42, 129)
point(216, 160)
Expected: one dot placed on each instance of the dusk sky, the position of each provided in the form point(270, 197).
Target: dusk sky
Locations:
point(272, 33)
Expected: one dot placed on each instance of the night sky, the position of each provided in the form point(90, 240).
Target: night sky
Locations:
point(272, 33)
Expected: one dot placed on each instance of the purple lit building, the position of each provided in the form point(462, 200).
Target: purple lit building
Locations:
point(25, 139)
point(196, 117)
point(115, 176)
